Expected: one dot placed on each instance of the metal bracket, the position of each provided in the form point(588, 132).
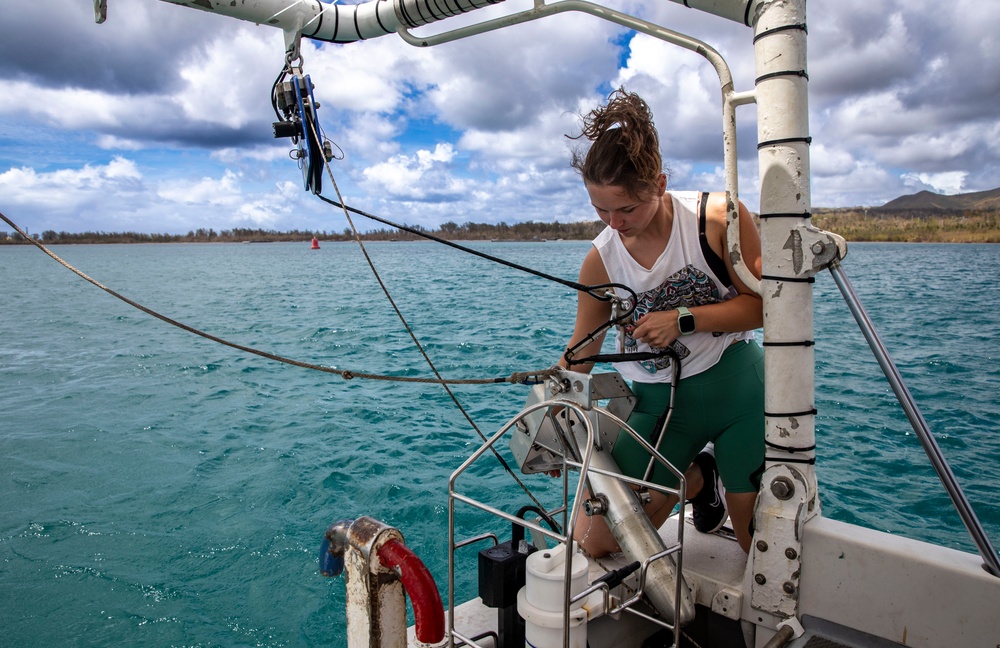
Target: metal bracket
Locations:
point(293, 40)
point(728, 602)
point(814, 249)
point(537, 445)
point(782, 511)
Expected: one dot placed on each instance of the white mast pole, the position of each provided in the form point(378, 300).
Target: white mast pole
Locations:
point(792, 253)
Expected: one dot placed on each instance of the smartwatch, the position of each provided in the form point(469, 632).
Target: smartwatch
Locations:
point(685, 320)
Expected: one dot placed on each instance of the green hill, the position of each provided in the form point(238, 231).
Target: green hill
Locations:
point(928, 201)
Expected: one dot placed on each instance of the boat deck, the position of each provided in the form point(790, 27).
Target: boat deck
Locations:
point(715, 567)
point(824, 634)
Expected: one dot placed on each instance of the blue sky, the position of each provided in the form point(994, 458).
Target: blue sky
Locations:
point(159, 120)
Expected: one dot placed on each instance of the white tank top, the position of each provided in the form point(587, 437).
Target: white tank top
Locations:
point(681, 276)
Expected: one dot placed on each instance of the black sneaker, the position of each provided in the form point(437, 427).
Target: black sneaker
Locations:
point(709, 506)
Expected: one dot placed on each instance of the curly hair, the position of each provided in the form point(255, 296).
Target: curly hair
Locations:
point(626, 147)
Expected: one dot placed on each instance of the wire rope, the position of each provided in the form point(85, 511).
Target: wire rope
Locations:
point(575, 285)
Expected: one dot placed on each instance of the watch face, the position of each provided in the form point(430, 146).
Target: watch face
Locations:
point(686, 323)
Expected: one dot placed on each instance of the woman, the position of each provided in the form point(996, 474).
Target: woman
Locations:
point(670, 248)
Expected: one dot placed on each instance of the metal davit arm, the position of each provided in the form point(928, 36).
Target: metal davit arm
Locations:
point(958, 498)
point(324, 21)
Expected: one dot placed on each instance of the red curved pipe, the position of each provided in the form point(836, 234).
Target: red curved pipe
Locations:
point(428, 612)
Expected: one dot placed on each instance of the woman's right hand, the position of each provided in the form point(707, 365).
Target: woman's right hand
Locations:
point(658, 329)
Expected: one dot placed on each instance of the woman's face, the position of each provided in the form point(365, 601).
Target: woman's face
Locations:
point(628, 215)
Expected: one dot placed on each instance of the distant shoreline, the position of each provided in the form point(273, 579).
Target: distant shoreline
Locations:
point(855, 225)
point(905, 226)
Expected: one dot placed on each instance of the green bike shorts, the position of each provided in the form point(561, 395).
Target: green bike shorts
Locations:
point(724, 405)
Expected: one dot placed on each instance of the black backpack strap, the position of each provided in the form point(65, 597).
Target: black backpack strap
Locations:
point(717, 265)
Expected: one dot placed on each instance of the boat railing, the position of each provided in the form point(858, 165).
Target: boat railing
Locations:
point(917, 421)
point(569, 510)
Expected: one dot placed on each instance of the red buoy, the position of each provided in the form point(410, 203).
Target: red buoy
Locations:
point(315, 245)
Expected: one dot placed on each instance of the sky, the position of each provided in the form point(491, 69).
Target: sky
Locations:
point(159, 120)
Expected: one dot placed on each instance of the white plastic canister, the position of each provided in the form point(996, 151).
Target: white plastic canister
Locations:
point(540, 602)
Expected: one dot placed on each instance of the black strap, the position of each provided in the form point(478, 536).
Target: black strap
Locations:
point(798, 26)
point(790, 448)
point(638, 356)
point(716, 264)
point(775, 75)
point(789, 279)
point(780, 460)
point(811, 412)
point(786, 215)
point(784, 140)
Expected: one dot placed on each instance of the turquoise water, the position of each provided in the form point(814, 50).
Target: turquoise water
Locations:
point(162, 490)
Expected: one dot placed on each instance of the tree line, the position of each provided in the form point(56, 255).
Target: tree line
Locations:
point(854, 224)
point(911, 226)
point(528, 231)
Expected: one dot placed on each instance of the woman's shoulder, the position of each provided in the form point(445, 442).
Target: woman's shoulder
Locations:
point(715, 206)
point(688, 201)
point(606, 235)
point(685, 196)
point(593, 270)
